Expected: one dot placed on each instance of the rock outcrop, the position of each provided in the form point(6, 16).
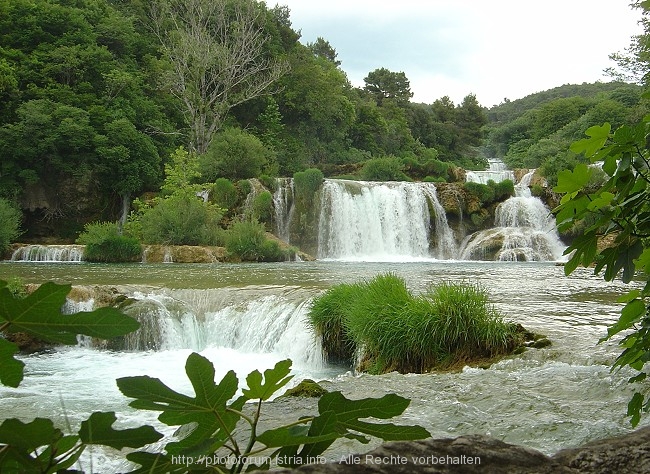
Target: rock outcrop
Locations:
point(477, 453)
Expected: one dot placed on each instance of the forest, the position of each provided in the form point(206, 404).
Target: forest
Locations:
point(111, 107)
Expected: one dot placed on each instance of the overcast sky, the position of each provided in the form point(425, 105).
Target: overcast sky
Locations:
point(494, 49)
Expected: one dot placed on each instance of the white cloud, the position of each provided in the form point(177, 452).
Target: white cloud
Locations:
point(495, 49)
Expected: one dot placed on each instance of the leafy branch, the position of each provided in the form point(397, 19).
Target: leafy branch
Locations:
point(621, 207)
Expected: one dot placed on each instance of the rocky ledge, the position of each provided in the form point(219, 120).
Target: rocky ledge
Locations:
point(476, 453)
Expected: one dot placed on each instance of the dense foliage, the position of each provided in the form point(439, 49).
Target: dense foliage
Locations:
point(395, 330)
point(96, 94)
point(209, 423)
point(9, 224)
point(104, 243)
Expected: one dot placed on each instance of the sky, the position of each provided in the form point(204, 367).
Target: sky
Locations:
point(494, 49)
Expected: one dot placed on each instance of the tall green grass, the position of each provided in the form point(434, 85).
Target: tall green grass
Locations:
point(452, 323)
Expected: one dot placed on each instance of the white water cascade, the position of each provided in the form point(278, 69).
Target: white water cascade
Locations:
point(497, 171)
point(283, 207)
point(382, 221)
point(524, 231)
point(48, 253)
point(271, 322)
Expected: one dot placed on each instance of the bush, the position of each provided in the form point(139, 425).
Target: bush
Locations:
point(452, 323)
point(234, 154)
point(263, 207)
point(483, 192)
point(247, 241)
point(10, 218)
point(307, 183)
point(224, 194)
point(503, 189)
point(182, 220)
point(105, 244)
point(388, 168)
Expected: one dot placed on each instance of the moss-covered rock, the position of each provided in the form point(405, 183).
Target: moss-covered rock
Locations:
point(306, 388)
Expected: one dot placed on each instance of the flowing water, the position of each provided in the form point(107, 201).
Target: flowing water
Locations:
point(246, 317)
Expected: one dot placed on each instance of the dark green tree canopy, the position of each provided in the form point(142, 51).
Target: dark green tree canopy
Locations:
point(383, 84)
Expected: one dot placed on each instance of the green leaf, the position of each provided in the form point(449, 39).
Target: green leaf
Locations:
point(208, 409)
point(28, 436)
point(98, 429)
point(598, 135)
point(157, 463)
point(634, 409)
point(40, 315)
point(571, 181)
point(348, 413)
point(293, 436)
point(11, 370)
point(629, 296)
point(600, 201)
point(631, 313)
point(274, 380)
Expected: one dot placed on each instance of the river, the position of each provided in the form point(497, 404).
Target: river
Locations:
point(247, 316)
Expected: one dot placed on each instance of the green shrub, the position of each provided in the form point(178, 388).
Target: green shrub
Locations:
point(105, 244)
point(182, 220)
point(307, 183)
point(10, 218)
point(451, 324)
point(224, 194)
point(387, 168)
point(234, 154)
point(434, 179)
point(245, 239)
point(263, 207)
point(503, 189)
point(483, 192)
point(269, 182)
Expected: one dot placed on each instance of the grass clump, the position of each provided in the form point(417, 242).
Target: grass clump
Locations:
point(452, 323)
point(105, 244)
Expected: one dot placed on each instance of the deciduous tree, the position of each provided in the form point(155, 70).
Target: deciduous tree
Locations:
point(216, 49)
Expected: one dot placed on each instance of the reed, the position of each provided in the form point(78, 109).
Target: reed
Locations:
point(395, 330)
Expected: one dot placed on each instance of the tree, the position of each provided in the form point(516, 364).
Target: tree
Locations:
point(383, 84)
point(618, 211)
point(323, 49)
point(633, 64)
point(217, 56)
point(234, 154)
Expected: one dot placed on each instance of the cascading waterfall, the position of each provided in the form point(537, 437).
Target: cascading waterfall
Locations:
point(497, 171)
point(382, 221)
point(48, 253)
point(215, 319)
point(283, 207)
point(524, 231)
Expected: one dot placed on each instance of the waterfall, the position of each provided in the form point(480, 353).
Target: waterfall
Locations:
point(283, 207)
point(497, 171)
point(265, 321)
point(524, 231)
point(48, 253)
point(382, 221)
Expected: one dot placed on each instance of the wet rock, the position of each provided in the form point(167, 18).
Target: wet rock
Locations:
point(306, 388)
point(627, 453)
point(466, 454)
point(477, 453)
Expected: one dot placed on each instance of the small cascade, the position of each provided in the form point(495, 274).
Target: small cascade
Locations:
point(497, 171)
point(247, 207)
point(524, 231)
point(382, 221)
point(283, 206)
point(216, 319)
point(48, 253)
